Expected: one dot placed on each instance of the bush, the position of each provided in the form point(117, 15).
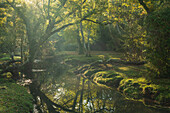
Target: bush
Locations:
point(158, 28)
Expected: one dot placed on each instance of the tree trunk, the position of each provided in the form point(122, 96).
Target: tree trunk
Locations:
point(88, 44)
point(83, 39)
point(80, 46)
point(114, 40)
point(28, 65)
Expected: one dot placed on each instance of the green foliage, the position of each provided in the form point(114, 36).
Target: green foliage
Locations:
point(5, 58)
point(134, 36)
point(158, 40)
point(14, 98)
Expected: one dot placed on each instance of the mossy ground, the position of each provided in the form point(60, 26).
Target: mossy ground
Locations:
point(132, 80)
point(14, 98)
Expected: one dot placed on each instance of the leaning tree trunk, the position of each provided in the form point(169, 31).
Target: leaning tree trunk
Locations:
point(28, 65)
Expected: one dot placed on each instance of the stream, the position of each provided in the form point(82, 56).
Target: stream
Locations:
point(56, 90)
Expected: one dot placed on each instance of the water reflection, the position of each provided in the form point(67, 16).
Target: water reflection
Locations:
point(57, 91)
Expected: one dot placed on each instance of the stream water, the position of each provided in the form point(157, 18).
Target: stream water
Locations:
point(56, 90)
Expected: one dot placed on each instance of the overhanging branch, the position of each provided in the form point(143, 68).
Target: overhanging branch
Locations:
point(46, 36)
point(64, 26)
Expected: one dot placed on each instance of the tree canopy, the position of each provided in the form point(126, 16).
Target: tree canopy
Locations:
point(128, 26)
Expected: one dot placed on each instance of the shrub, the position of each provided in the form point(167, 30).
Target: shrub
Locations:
point(158, 39)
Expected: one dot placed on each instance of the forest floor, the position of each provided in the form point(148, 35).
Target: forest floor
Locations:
point(132, 80)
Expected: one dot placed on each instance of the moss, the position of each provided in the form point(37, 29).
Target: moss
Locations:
point(164, 98)
point(14, 98)
point(133, 92)
point(131, 87)
point(105, 74)
point(7, 75)
point(141, 88)
point(80, 59)
point(124, 68)
point(90, 72)
point(109, 78)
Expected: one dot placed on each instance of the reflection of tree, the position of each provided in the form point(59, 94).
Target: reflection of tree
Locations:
point(51, 106)
point(80, 95)
point(77, 93)
point(81, 98)
point(100, 101)
point(91, 100)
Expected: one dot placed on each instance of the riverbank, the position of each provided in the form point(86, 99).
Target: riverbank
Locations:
point(105, 68)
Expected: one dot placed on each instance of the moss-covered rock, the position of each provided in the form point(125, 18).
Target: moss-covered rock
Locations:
point(133, 92)
point(109, 78)
point(14, 98)
point(130, 88)
point(115, 81)
point(140, 88)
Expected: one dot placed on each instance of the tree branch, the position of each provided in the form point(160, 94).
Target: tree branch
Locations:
point(144, 6)
point(21, 15)
point(64, 26)
point(48, 34)
point(84, 1)
point(98, 22)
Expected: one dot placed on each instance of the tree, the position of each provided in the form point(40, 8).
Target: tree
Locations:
point(45, 18)
point(134, 32)
point(157, 24)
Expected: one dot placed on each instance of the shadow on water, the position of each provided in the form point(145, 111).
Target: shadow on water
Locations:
point(55, 90)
